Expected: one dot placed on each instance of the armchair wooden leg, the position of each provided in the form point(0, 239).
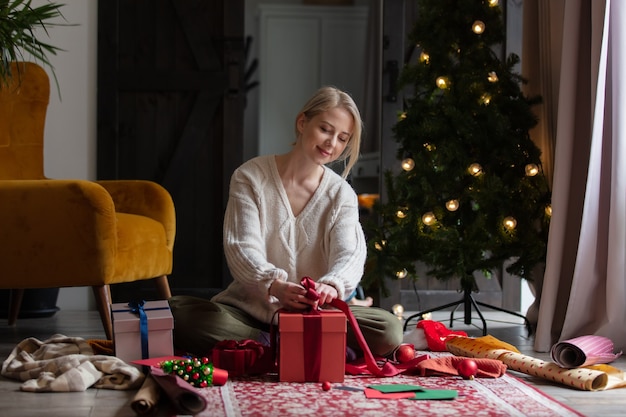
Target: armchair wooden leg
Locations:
point(163, 287)
point(15, 302)
point(103, 302)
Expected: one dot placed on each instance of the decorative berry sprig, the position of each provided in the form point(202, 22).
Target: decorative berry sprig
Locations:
point(197, 371)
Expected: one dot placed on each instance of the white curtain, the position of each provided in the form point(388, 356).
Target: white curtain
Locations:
point(583, 289)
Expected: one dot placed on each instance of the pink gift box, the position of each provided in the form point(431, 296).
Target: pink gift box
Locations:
point(320, 354)
point(127, 335)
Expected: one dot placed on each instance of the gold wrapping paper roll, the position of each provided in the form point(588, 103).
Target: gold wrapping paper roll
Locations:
point(588, 378)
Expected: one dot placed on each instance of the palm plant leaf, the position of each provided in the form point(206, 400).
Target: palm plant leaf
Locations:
point(19, 23)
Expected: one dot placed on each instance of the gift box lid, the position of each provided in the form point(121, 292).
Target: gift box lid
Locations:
point(332, 321)
point(158, 313)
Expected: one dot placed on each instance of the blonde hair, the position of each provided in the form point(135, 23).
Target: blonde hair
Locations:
point(327, 98)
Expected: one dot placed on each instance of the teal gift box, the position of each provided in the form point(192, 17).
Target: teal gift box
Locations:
point(127, 334)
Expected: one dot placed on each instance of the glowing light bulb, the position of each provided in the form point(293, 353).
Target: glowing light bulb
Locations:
point(402, 274)
point(475, 169)
point(509, 223)
point(532, 170)
point(478, 27)
point(442, 82)
point(493, 3)
point(400, 214)
point(549, 210)
point(398, 310)
point(429, 147)
point(408, 164)
point(429, 218)
point(452, 205)
point(492, 77)
point(425, 58)
point(485, 99)
point(402, 116)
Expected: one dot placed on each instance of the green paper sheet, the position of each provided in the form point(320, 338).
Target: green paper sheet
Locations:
point(436, 394)
point(387, 388)
point(420, 392)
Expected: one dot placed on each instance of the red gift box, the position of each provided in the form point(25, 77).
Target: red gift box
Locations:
point(245, 357)
point(312, 346)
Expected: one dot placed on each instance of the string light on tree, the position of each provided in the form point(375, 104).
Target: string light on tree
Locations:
point(475, 169)
point(442, 82)
point(398, 311)
point(429, 218)
point(452, 205)
point(509, 223)
point(531, 170)
point(402, 274)
point(424, 57)
point(492, 77)
point(401, 214)
point(408, 164)
point(548, 210)
point(478, 27)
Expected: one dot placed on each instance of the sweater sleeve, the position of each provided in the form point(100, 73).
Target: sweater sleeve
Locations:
point(347, 249)
point(244, 247)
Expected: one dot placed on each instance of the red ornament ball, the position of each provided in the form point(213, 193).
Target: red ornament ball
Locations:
point(326, 386)
point(467, 368)
point(405, 353)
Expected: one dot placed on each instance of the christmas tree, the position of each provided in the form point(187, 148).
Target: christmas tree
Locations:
point(470, 194)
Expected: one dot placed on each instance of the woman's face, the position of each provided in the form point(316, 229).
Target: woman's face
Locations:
point(325, 136)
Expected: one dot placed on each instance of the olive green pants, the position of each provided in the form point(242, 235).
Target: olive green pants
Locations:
point(199, 324)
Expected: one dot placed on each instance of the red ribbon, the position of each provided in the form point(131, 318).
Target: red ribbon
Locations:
point(312, 334)
point(387, 368)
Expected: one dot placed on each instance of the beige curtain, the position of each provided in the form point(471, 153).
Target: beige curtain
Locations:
point(571, 52)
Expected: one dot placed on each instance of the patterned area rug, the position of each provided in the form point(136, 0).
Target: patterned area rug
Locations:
point(506, 396)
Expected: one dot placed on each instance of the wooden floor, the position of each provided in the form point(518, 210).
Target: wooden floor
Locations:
point(109, 403)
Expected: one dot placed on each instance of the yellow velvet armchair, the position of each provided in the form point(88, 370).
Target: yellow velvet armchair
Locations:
point(72, 233)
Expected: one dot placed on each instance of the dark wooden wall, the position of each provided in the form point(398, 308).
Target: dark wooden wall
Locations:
point(170, 109)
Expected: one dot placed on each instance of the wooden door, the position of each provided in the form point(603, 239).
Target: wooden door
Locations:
point(170, 109)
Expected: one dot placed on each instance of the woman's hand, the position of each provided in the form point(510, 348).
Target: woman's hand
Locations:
point(291, 295)
point(326, 292)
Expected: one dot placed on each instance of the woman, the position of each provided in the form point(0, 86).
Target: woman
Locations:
point(289, 216)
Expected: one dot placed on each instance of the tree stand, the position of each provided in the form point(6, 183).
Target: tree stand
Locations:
point(468, 301)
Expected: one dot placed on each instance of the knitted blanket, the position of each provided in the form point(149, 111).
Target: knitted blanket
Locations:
point(64, 364)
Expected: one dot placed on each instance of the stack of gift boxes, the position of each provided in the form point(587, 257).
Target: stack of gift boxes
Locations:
point(310, 346)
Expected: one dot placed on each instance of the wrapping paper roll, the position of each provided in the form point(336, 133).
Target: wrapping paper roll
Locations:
point(583, 351)
point(183, 396)
point(590, 378)
point(147, 397)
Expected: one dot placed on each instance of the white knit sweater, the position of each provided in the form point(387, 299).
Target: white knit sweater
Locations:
point(263, 241)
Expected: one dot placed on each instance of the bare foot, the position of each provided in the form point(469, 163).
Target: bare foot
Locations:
point(357, 302)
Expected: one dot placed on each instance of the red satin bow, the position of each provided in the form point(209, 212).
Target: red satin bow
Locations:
point(309, 286)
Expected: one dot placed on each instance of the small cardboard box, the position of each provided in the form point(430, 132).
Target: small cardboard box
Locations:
point(325, 340)
point(127, 334)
